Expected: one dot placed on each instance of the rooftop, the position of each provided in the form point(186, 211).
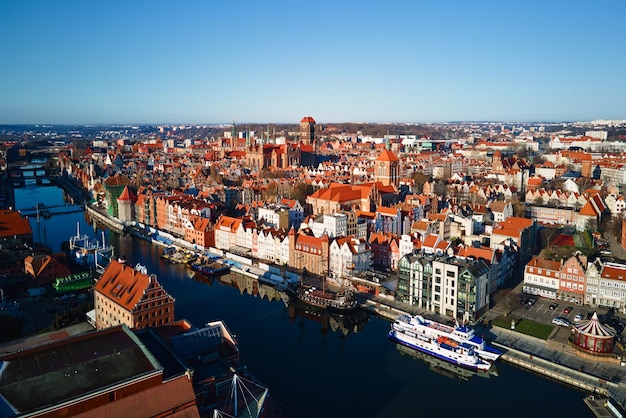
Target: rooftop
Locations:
point(70, 369)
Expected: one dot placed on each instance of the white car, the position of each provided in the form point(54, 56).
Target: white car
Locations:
point(579, 317)
point(562, 322)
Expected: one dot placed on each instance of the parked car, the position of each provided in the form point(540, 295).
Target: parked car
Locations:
point(579, 317)
point(567, 310)
point(553, 306)
point(531, 301)
point(560, 321)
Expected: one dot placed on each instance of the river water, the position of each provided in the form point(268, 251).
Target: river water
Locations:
point(320, 366)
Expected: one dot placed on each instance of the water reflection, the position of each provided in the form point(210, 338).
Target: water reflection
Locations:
point(444, 368)
point(342, 323)
point(247, 285)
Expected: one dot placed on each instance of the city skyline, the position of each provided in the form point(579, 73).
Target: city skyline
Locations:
point(400, 62)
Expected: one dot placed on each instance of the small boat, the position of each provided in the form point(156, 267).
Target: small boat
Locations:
point(446, 349)
point(214, 267)
point(333, 301)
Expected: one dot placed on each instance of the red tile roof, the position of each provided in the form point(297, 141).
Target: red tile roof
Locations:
point(127, 195)
point(387, 155)
point(307, 119)
point(12, 223)
point(123, 284)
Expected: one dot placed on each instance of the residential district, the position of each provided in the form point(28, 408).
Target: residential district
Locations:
point(488, 224)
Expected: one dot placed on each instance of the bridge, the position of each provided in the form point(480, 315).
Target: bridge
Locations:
point(48, 211)
point(20, 174)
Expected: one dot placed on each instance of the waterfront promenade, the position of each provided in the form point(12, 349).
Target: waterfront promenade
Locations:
point(523, 351)
point(530, 353)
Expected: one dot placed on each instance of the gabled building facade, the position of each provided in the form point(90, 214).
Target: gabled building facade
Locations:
point(129, 296)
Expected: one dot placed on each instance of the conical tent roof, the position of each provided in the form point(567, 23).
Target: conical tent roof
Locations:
point(595, 328)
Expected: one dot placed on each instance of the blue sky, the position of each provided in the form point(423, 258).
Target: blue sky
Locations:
point(338, 61)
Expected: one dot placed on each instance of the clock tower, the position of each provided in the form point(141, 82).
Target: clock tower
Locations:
point(387, 169)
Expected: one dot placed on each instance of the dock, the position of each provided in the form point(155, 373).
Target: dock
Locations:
point(603, 407)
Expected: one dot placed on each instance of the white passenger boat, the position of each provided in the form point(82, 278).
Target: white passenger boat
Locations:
point(419, 325)
point(444, 348)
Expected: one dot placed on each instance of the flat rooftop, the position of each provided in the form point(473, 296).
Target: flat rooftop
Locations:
point(71, 368)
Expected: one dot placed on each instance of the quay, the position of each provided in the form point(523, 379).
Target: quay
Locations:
point(602, 378)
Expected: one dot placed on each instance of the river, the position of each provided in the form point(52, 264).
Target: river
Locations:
point(313, 371)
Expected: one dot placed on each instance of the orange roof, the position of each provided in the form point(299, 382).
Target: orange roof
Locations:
point(127, 195)
point(613, 271)
point(307, 119)
point(311, 244)
point(484, 253)
point(430, 241)
point(12, 223)
point(387, 210)
point(514, 222)
point(588, 210)
point(228, 223)
point(124, 285)
point(387, 155)
point(543, 263)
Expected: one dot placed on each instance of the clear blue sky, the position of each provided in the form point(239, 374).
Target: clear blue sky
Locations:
point(276, 61)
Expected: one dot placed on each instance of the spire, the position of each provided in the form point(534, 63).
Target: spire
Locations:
point(387, 142)
point(233, 133)
point(247, 137)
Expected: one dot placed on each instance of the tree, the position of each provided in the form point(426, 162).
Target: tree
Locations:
point(519, 210)
point(419, 179)
point(591, 224)
point(505, 299)
point(301, 191)
point(440, 188)
point(548, 235)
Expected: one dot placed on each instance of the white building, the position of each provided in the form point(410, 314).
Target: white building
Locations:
point(348, 256)
point(333, 225)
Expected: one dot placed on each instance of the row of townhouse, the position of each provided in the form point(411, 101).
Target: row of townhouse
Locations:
point(582, 218)
point(577, 281)
point(335, 257)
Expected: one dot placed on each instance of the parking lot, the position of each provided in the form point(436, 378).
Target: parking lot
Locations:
point(545, 310)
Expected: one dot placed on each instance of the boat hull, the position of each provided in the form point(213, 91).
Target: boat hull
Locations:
point(427, 346)
point(331, 304)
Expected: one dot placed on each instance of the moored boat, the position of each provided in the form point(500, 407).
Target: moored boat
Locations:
point(88, 253)
point(460, 354)
point(432, 329)
point(214, 267)
point(333, 301)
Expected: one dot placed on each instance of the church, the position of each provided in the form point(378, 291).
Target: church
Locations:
point(299, 153)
